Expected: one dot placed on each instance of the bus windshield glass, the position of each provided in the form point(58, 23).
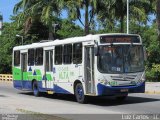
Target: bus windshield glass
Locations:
point(120, 59)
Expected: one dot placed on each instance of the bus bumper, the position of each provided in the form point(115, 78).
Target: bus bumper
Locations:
point(119, 90)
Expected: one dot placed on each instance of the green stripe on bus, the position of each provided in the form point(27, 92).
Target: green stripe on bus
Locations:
point(38, 72)
point(25, 75)
point(39, 77)
point(49, 77)
point(17, 74)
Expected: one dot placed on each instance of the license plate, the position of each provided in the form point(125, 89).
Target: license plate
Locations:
point(50, 92)
point(124, 90)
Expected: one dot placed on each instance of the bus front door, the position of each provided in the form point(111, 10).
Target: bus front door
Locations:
point(89, 70)
point(24, 67)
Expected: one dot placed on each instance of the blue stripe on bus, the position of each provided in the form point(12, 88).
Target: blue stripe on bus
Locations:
point(17, 84)
point(59, 89)
point(22, 84)
point(27, 85)
point(109, 90)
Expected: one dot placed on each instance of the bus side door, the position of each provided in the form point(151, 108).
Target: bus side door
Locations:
point(47, 81)
point(24, 68)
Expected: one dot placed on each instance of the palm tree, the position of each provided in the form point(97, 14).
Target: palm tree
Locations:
point(117, 10)
point(90, 7)
point(22, 9)
point(42, 10)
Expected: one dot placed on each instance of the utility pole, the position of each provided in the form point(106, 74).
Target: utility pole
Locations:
point(127, 16)
point(20, 37)
point(54, 27)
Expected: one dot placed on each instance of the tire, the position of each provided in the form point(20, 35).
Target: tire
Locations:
point(79, 93)
point(35, 89)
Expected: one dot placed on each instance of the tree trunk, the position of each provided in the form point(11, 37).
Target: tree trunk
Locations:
point(158, 19)
point(86, 18)
point(50, 35)
point(122, 24)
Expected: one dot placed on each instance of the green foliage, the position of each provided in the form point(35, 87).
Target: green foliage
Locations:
point(69, 29)
point(153, 50)
point(156, 67)
point(7, 42)
point(153, 74)
point(149, 36)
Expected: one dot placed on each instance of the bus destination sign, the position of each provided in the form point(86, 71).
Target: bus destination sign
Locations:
point(119, 39)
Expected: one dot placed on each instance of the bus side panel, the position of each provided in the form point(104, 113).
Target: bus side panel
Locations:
point(17, 77)
point(33, 73)
point(64, 88)
point(65, 76)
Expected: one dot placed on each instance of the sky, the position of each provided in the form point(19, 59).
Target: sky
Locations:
point(6, 9)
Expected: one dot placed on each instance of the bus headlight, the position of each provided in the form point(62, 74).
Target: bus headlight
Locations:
point(105, 82)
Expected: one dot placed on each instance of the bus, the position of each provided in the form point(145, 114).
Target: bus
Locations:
point(92, 65)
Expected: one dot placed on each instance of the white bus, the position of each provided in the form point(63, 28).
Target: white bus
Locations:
point(92, 65)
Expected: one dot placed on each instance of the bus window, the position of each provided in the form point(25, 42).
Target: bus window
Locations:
point(16, 58)
point(58, 55)
point(77, 53)
point(67, 54)
point(31, 57)
point(39, 56)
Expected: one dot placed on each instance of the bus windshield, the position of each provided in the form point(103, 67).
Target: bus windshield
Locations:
point(120, 59)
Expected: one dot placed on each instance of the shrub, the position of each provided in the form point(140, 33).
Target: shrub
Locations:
point(153, 74)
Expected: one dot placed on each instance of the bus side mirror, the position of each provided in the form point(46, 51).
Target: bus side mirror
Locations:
point(96, 48)
point(145, 53)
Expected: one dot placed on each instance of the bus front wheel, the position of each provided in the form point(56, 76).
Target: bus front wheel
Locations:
point(35, 89)
point(79, 93)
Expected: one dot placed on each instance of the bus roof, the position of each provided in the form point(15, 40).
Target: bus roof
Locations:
point(86, 38)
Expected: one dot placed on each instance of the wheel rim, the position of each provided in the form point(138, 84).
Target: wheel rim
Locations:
point(80, 92)
point(35, 89)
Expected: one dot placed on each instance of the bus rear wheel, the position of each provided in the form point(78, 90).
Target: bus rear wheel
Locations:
point(79, 93)
point(35, 89)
